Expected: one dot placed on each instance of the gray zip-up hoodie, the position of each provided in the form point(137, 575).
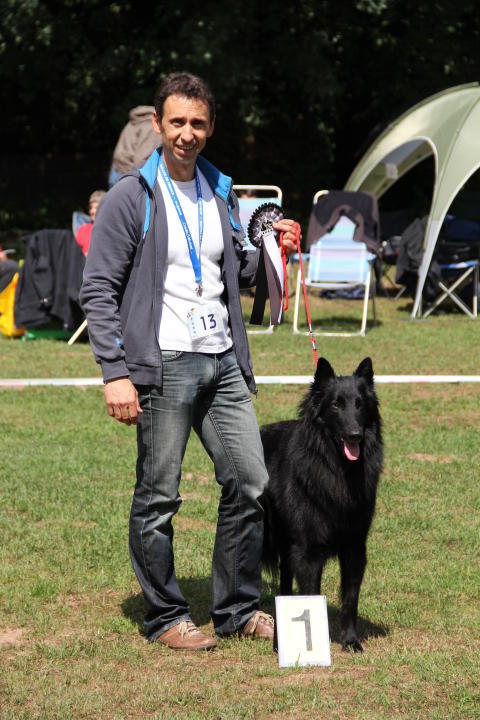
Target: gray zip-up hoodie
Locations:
point(123, 281)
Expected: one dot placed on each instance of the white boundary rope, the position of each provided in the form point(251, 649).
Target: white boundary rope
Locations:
point(260, 380)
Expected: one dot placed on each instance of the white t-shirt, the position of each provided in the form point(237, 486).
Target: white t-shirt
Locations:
point(180, 296)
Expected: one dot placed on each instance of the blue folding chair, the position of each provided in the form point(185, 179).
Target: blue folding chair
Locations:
point(337, 262)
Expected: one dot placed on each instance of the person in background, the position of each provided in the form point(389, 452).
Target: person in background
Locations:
point(136, 143)
point(84, 232)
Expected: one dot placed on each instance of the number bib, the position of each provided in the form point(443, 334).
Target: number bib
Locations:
point(203, 321)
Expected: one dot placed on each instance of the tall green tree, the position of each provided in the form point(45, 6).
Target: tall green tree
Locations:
point(302, 88)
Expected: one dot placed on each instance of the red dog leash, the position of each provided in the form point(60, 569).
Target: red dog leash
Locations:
point(285, 304)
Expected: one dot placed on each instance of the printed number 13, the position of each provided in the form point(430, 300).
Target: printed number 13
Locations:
point(305, 617)
point(212, 324)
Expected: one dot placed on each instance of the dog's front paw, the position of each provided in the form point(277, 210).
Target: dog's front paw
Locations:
point(352, 644)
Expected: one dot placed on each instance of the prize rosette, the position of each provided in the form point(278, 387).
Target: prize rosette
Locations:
point(261, 222)
point(270, 278)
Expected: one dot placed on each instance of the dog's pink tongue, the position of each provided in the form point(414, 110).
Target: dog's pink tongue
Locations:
point(352, 450)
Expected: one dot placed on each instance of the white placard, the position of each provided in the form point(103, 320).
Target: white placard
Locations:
point(302, 630)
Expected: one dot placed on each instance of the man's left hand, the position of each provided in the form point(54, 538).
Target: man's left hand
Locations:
point(288, 227)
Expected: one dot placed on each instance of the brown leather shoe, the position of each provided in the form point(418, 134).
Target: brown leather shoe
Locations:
point(186, 636)
point(260, 625)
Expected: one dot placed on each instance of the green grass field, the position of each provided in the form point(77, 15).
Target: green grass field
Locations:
point(71, 637)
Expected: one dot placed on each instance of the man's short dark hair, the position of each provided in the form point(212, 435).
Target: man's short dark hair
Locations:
point(185, 85)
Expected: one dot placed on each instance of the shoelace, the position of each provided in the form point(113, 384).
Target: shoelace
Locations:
point(188, 629)
point(259, 615)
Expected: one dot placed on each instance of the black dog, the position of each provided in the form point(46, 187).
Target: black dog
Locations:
point(319, 503)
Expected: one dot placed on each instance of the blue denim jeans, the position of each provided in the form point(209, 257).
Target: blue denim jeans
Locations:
point(208, 393)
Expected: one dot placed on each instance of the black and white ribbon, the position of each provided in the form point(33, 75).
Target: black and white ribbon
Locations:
point(270, 280)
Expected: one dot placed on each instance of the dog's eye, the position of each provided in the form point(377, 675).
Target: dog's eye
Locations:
point(335, 405)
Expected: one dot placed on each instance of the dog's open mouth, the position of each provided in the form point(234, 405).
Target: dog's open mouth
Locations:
point(351, 450)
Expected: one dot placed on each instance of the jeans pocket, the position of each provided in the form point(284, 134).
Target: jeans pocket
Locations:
point(169, 355)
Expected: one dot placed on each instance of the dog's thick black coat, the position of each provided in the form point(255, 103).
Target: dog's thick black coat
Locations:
point(320, 500)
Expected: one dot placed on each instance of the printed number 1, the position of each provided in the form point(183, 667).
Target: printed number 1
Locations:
point(305, 617)
point(213, 322)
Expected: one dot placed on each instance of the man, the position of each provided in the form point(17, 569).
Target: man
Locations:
point(161, 294)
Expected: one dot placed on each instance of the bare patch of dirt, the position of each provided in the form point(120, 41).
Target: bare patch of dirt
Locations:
point(184, 523)
point(11, 636)
point(444, 393)
point(446, 398)
point(202, 480)
point(63, 637)
point(64, 522)
point(413, 640)
point(186, 496)
point(426, 457)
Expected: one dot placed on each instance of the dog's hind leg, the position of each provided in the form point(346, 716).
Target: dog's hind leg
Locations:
point(286, 576)
point(352, 566)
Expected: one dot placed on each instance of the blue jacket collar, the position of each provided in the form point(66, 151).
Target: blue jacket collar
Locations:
point(221, 184)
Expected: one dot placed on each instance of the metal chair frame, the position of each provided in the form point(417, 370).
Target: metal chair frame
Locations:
point(470, 268)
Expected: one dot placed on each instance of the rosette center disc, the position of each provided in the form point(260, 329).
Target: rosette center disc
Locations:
point(262, 221)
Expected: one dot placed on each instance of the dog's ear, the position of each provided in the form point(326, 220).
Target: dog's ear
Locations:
point(323, 372)
point(365, 370)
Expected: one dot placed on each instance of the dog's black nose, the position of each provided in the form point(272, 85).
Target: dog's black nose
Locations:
point(353, 437)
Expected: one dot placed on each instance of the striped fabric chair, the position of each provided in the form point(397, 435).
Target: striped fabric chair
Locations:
point(337, 262)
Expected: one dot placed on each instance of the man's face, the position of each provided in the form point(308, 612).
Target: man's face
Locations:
point(185, 127)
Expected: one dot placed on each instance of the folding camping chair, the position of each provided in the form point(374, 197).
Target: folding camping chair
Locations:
point(250, 197)
point(337, 262)
point(457, 274)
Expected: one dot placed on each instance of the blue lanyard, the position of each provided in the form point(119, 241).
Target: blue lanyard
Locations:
point(194, 258)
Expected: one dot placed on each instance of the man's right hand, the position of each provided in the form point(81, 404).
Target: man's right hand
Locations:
point(122, 400)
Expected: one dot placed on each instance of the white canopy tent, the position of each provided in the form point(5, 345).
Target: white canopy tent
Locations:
point(445, 125)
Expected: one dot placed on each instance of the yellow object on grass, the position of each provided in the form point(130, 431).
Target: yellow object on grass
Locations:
point(7, 301)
